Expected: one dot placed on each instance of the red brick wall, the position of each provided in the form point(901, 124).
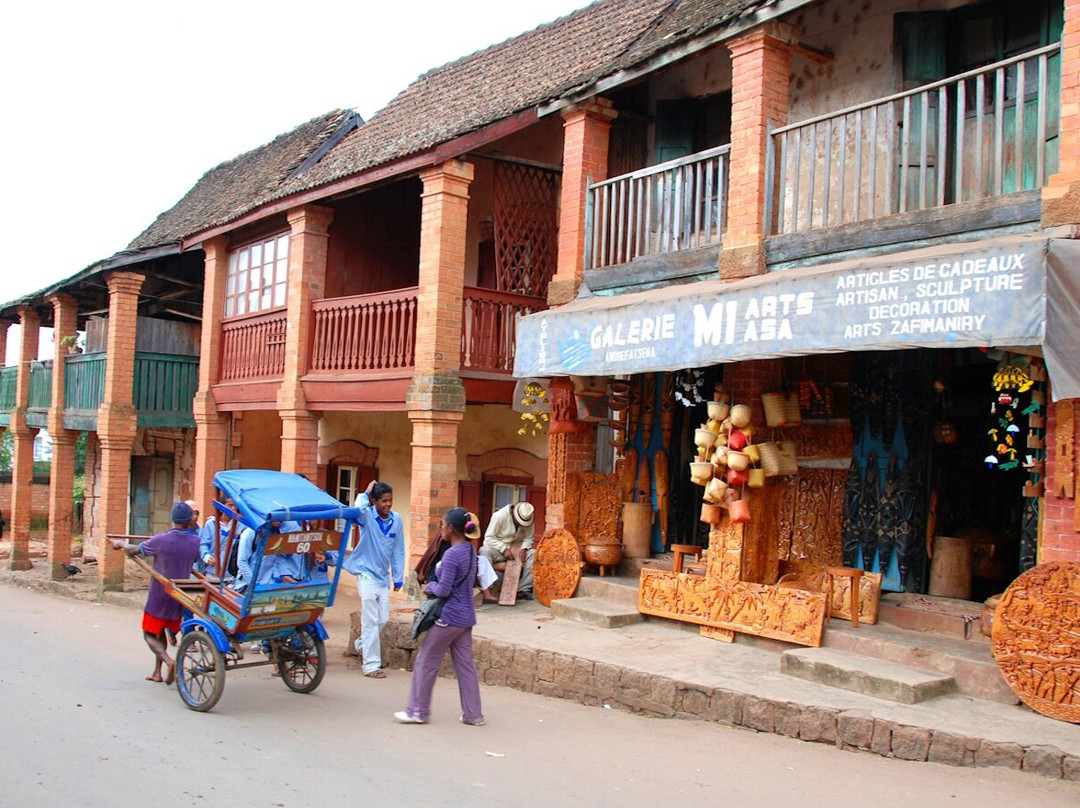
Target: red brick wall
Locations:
point(39, 502)
point(1058, 539)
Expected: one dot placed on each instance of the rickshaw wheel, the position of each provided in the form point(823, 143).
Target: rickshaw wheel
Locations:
point(200, 671)
point(301, 661)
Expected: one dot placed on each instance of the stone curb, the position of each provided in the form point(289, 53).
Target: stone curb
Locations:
point(563, 676)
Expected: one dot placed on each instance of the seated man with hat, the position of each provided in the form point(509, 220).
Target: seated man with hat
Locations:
point(510, 534)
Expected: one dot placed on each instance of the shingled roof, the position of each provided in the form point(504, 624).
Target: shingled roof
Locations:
point(227, 190)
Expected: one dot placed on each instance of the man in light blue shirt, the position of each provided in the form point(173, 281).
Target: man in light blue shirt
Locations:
point(273, 568)
point(379, 553)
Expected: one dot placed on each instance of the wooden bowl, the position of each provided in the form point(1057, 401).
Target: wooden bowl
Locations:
point(605, 555)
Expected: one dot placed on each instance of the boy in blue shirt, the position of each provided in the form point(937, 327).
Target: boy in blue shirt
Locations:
point(379, 554)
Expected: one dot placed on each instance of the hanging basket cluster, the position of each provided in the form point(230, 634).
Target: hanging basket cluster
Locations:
point(727, 460)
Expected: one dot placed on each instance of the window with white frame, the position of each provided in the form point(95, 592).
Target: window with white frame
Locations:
point(258, 277)
point(505, 493)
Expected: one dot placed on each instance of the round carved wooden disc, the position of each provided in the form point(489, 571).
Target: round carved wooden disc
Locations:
point(1037, 639)
point(557, 566)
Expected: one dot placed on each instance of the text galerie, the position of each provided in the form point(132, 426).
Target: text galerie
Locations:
point(763, 319)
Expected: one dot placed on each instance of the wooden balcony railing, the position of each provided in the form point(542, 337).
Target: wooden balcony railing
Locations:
point(489, 329)
point(165, 386)
point(253, 347)
point(365, 332)
point(7, 388)
point(40, 395)
point(984, 133)
point(84, 384)
point(677, 205)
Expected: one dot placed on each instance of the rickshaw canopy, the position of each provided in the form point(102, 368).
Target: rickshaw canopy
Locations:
point(263, 496)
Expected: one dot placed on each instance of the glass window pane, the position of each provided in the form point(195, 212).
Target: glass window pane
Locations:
point(268, 252)
point(241, 282)
point(282, 270)
point(279, 294)
point(230, 285)
point(283, 246)
point(244, 260)
point(256, 255)
point(228, 307)
point(253, 301)
point(232, 263)
point(241, 305)
point(268, 275)
point(265, 303)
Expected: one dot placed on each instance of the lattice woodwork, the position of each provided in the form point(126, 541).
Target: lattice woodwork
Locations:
point(1036, 639)
point(793, 615)
point(525, 228)
point(556, 567)
point(1064, 450)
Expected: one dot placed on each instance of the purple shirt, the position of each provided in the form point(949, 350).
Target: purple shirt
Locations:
point(174, 553)
point(456, 574)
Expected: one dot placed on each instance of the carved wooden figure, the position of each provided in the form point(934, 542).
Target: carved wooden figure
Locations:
point(660, 467)
point(667, 409)
point(648, 407)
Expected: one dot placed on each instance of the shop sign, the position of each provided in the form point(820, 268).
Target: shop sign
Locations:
point(995, 295)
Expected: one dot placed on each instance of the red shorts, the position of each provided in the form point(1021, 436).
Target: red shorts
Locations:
point(156, 626)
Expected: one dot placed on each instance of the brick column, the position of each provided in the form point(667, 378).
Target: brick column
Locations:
point(308, 244)
point(22, 461)
point(1061, 196)
point(436, 397)
point(211, 428)
point(116, 422)
point(586, 131)
point(759, 67)
point(62, 474)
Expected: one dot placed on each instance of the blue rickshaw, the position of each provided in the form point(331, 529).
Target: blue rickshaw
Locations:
point(281, 618)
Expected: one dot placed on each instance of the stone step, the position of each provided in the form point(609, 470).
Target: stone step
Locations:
point(970, 663)
point(948, 616)
point(871, 677)
point(596, 612)
point(620, 589)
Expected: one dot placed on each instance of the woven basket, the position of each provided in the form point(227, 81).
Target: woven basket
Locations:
point(778, 459)
point(781, 408)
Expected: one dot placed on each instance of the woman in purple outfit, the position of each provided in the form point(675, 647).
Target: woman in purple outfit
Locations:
point(452, 630)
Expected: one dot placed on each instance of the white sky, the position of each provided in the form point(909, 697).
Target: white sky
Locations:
point(113, 110)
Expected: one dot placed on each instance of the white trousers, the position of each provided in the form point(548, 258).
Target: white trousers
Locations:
point(375, 613)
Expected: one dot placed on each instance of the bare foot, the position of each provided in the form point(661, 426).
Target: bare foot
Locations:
point(154, 677)
point(170, 673)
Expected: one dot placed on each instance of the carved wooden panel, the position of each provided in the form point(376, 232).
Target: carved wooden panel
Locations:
point(833, 440)
point(600, 507)
point(869, 597)
point(814, 495)
point(833, 544)
point(725, 552)
point(759, 535)
point(786, 516)
point(793, 615)
point(572, 503)
point(720, 634)
point(1037, 639)
point(1064, 449)
point(556, 567)
point(556, 488)
point(627, 470)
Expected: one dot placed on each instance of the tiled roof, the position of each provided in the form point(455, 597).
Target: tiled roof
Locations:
point(451, 101)
point(226, 191)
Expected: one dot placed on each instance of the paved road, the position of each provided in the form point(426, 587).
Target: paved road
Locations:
point(80, 726)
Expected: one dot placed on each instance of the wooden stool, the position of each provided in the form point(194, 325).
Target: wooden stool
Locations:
point(845, 572)
point(680, 550)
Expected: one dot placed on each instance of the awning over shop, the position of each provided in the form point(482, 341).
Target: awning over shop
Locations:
point(1007, 293)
